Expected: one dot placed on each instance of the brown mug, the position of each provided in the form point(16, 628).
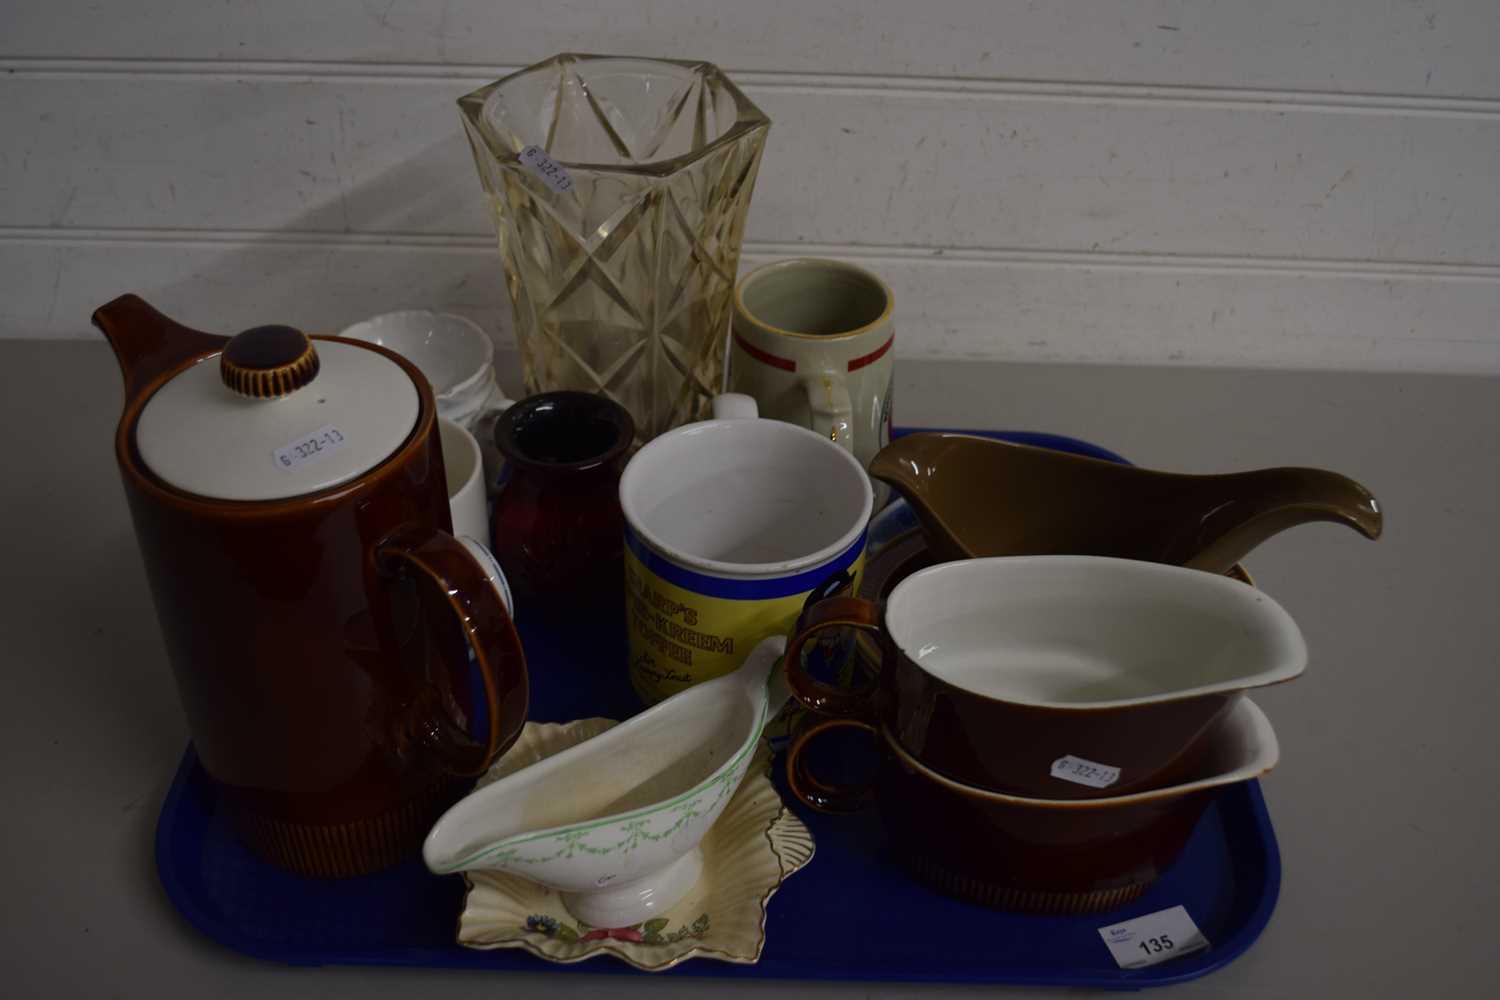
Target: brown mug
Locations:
point(317, 611)
point(1038, 855)
point(1060, 677)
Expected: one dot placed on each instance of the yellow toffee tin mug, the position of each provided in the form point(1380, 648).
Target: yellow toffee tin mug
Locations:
point(729, 524)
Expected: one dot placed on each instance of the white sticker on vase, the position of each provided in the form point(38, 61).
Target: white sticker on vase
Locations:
point(1085, 772)
point(308, 448)
point(1153, 938)
point(535, 159)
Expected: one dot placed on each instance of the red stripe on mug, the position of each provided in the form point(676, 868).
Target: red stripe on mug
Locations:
point(874, 356)
point(785, 364)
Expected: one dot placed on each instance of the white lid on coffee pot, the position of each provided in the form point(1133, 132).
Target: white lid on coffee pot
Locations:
point(273, 416)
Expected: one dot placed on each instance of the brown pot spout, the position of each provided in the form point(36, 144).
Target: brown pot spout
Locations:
point(146, 343)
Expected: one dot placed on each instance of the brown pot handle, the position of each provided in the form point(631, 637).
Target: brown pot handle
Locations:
point(818, 794)
point(441, 560)
point(820, 697)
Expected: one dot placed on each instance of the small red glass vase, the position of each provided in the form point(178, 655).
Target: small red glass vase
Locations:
point(557, 527)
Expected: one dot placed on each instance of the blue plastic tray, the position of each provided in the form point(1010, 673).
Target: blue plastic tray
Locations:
point(851, 914)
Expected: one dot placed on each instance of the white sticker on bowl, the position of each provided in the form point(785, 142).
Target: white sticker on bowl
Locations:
point(535, 159)
point(1085, 772)
point(1153, 938)
point(308, 448)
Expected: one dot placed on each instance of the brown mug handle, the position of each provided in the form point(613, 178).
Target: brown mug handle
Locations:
point(820, 697)
point(818, 794)
point(442, 561)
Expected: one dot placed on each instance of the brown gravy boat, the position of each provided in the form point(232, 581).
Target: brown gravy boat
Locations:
point(980, 497)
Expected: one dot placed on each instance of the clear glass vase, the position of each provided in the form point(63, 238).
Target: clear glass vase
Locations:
point(619, 188)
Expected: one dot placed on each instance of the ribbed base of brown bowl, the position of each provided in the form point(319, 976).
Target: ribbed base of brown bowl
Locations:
point(1004, 897)
point(346, 849)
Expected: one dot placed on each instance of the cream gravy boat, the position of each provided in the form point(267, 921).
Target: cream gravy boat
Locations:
point(614, 823)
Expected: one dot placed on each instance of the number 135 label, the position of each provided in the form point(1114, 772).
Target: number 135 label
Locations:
point(1153, 938)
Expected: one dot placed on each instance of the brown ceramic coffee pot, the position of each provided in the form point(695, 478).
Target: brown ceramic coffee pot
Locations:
point(289, 498)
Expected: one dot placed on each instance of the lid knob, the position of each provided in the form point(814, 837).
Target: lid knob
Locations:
point(268, 362)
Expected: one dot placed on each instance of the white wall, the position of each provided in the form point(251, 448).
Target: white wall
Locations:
point(1277, 183)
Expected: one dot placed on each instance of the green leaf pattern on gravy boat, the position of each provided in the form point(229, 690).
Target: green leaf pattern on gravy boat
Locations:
point(636, 831)
point(638, 828)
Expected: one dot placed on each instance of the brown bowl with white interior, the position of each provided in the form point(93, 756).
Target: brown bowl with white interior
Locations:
point(1056, 677)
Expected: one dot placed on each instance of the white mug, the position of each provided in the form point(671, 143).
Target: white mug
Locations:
point(464, 466)
point(812, 343)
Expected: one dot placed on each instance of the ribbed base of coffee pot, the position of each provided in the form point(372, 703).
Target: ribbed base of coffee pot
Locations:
point(345, 849)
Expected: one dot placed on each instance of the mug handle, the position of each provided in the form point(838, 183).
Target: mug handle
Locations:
point(821, 697)
point(837, 584)
point(442, 562)
point(832, 412)
point(818, 794)
point(493, 574)
point(735, 406)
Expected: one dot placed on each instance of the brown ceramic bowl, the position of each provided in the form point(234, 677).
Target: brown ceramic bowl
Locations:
point(1042, 855)
point(1057, 677)
point(891, 560)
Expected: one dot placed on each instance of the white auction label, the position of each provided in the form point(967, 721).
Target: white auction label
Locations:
point(308, 448)
point(549, 170)
point(1153, 938)
point(1085, 772)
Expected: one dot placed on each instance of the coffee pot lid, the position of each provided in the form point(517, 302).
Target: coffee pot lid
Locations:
point(272, 417)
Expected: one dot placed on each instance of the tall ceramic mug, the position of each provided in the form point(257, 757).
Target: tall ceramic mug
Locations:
point(463, 467)
point(729, 524)
point(812, 344)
